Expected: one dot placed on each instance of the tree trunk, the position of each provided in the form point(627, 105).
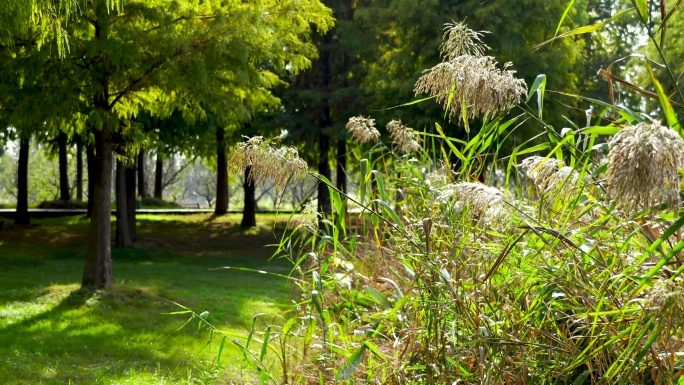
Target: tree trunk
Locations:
point(341, 181)
point(21, 217)
point(123, 236)
point(142, 188)
point(64, 193)
point(79, 170)
point(92, 176)
point(98, 261)
point(249, 209)
point(323, 170)
point(98, 267)
point(323, 139)
point(131, 201)
point(159, 177)
point(221, 173)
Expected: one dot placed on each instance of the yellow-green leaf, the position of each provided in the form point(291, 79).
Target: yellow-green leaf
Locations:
point(565, 13)
point(669, 112)
point(642, 8)
point(451, 145)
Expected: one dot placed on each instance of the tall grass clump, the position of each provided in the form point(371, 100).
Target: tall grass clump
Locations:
point(568, 272)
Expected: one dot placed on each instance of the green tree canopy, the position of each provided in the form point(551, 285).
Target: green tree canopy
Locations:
point(157, 56)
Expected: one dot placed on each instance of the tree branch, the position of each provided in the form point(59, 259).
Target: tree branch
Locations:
point(135, 82)
point(172, 179)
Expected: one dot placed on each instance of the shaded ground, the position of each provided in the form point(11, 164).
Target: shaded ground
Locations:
point(52, 333)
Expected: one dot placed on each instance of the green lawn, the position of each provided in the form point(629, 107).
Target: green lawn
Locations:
point(52, 333)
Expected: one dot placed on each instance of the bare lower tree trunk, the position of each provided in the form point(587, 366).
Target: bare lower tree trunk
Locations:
point(98, 261)
point(341, 181)
point(92, 171)
point(221, 173)
point(249, 209)
point(159, 177)
point(131, 201)
point(79, 170)
point(123, 236)
point(21, 216)
point(323, 170)
point(64, 193)
point(98, 267)
point(142, 188)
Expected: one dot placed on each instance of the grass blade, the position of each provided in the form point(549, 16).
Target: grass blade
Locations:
point(451, 145)
point(565, 13)
point(354, 362)
point(669, 112)
point(642, 8)
point(585, 29)
point(220, 351)
point(264, 345)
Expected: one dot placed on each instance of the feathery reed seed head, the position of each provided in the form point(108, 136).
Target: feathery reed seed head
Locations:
point(643, 164)
point(550, 176)
point(362, 129)
point(403, 137)
point(479, 86)
point(266, 161)
point(307, 220)
point(460, 40)
point(540, 169)
point(562, 183)
point(666, 298)
point(438, 177)
point(484, 203)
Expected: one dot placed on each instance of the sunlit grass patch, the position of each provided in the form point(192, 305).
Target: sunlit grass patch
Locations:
point(53, 333)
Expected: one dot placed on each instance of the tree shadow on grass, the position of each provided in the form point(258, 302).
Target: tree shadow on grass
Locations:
point(209, 233)
point(71, 335)
point(90, 335)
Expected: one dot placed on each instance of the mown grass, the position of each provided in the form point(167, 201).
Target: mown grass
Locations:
point(53, 333)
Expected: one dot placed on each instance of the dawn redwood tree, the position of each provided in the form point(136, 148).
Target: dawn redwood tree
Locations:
point(320, 102)
point(123, 235)
point(79, 169)
point(249, 208)
point(140, 162)
point(167, 136)
point(21, 18)
point(249, 201)
point(22, 69)
point(221, 207)
point(90, 165)
point(62, 143)
point(131, 198)
point(159, 176)
point(21, 216)
point(61, 135)
point(123, 57)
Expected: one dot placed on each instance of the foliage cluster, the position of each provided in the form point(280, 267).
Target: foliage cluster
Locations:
point(568, 272)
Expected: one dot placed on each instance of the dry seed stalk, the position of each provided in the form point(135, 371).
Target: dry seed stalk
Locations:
point(643, 167)
point(266, 161)
point(484, 203)
point(403, 137)
point(550, 176)
point(362, 129)
point(468, 81)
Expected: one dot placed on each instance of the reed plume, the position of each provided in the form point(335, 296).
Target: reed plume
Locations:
point(643, 167)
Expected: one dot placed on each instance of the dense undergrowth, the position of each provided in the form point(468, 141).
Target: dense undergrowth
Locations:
point(468, 266)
